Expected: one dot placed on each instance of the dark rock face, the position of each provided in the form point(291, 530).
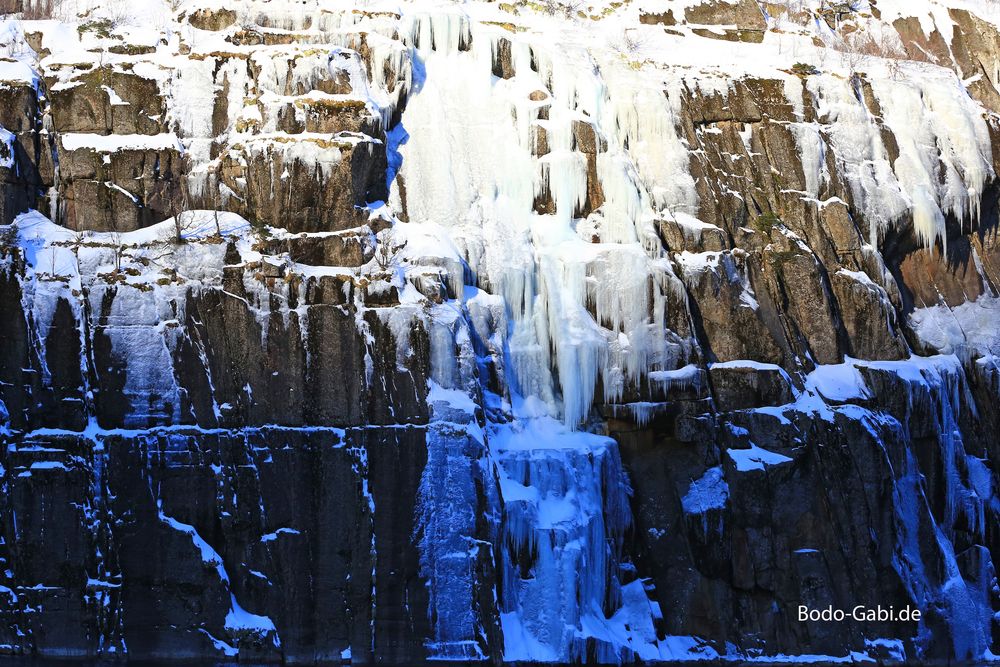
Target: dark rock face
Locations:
point(291, 536)
point(180, 535)
point(284, 192)
point(92, 199)
point(738, 388)
point(799, 531)
point(26, 165)
point(785, 538)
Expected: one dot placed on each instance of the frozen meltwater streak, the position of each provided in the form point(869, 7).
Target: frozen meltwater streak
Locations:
point(565, 512)
point(944, 152)
point(447, 515)
point(957, 584)
point(580, 301)
point(587, 297)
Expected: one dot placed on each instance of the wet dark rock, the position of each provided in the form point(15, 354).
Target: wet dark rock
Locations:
point(742, 387)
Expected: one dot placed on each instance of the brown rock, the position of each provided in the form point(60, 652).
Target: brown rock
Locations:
point(744, 14)
point(931, 277)
point(278, 189)
point(868, 318)
point(119, 191)
point(806, 300)
point(503, 62)
point(539, 139)
point(678, 237)
point(212, 19)
point(663, 18)
point(327, 116)
point(106, 101)
point(731, 319)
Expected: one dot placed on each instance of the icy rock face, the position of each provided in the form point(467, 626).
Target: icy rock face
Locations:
point(794, 495)
point(565, 517)
point(499, 332)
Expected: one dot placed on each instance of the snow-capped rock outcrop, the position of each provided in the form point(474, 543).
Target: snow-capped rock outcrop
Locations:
point(519, 331)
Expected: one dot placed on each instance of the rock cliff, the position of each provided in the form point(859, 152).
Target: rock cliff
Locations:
point(530, 331)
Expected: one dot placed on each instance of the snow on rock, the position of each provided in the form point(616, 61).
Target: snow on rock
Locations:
point(118, 142)
point(755, 458)
point(6, 149)
point(709, 492)
point(17, 71)
point(241, 622)
point(209, 556)
point(837, 382)
point(969, 328)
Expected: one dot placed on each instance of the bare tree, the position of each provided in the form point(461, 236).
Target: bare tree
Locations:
point(39, 9)
point(117, 249)
point(77, 243)
point(182, 213)
point(388, 253)
point(884, 45)
point(119, 12)
point(569, 9)
point(851, 56)
point(215, 203)
point(184, 222)
point(246, 18)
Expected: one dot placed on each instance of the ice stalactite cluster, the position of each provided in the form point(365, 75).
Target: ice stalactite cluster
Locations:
point(940, 135)
point(262, 91)
point(587, 296)
point(577, 303)
point(565, 592)
point(493, 136)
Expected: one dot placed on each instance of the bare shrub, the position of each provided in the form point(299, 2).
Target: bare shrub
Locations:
point(117, 249)
point(388, 253)
point(8, 238)
point(629, 42)
point(884, 44)
point(39, 9)
point(12, 42)
point(119, 12)
point(569, 9)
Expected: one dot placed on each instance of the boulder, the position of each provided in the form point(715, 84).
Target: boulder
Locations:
point(107, 100)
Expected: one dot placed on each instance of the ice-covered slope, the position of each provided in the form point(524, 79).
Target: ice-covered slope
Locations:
point(525, 331)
